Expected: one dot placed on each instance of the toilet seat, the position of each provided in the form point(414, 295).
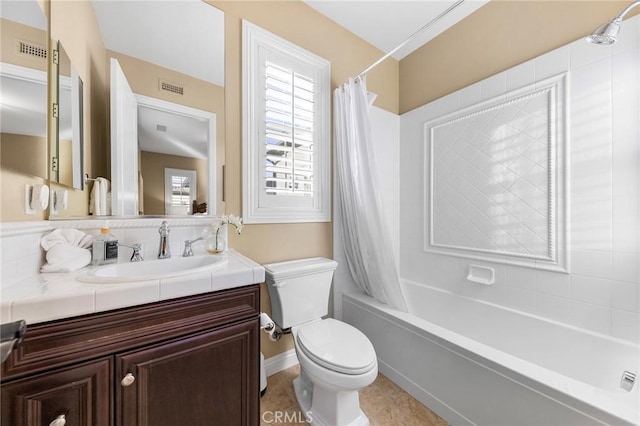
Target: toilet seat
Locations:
point(337, 346)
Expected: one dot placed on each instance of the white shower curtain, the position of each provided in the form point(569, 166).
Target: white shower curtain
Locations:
point(365, 234)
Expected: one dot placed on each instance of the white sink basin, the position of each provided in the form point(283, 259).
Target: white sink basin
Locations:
point(152, 269)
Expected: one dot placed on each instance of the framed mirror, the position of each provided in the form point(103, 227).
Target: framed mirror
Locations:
point(23, 87)
point(171, 53)
point(67, 168)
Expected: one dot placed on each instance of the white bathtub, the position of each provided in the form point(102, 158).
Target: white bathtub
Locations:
point(477, 363)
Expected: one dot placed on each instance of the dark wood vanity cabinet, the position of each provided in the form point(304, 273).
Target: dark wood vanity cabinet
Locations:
point(190, 361)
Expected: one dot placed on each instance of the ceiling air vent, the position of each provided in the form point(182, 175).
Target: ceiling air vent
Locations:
point(32, 49)
point(168, 86)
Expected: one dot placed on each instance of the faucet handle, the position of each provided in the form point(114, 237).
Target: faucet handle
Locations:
point(188, 251)
point(136, 256)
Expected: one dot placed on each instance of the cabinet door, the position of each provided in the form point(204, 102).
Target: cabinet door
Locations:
point(79, 395)
point(204, 379)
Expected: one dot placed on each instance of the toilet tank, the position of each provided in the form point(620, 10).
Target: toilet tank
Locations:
point(299, 289)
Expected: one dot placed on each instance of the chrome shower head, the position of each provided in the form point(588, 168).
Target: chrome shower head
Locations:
point(608, 33)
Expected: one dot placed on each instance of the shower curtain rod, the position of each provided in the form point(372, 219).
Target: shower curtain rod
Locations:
point(409, 40)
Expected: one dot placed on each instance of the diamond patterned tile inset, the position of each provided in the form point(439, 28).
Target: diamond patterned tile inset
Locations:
point(490, 172)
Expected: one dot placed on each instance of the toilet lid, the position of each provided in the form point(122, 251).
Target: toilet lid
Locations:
point(337, 346)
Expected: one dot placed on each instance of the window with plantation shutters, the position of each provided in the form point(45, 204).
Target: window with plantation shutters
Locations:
point(286, 136)
point(289, 132)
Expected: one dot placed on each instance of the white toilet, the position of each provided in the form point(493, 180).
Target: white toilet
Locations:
point(336, 359)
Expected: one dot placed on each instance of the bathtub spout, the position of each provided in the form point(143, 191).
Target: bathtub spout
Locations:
point(627, 381)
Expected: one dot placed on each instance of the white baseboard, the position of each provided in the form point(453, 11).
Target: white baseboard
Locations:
point(280, 362)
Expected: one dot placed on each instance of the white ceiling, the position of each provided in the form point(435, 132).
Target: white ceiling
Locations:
point(185, 36)
point(387, 23)
point(23, 106)
point(182, 135)
point(26, 12)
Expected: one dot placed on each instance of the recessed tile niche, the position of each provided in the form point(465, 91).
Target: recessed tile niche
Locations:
point(496, 174)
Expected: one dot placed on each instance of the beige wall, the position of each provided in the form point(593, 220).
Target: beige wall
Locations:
point(24, 154)
point(144, 78)
point(74, 24)
point(65, 162)
point(349, 55)
point(10, 33)
point(152, 165)
point(498, 36)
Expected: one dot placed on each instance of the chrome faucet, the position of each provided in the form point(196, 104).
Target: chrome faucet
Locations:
point(187, 247)
point(136, 256)
point(163, 250)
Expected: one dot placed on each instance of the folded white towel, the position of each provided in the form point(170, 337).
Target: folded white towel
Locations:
point(67, 250)
point(66, 259)
point(98, 201)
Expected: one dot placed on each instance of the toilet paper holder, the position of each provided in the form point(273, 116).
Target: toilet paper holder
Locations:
point(269, 326)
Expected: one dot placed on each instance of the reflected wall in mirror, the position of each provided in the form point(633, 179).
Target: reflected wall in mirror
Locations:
point(68, 170)
point(177, 158)
point(23, 88)
point(171, 51)
point(150, 140)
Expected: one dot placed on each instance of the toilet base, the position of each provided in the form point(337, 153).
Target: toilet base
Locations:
point(324, 407)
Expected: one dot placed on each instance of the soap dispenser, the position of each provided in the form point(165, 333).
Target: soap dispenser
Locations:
point(105, 248)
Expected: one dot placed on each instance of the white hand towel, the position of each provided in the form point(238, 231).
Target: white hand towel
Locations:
point(67, 237)
point(63, 258)
point(67, 250)
point(98, 202)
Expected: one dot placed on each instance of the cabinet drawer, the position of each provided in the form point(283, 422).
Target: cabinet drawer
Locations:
point(59, 343)
point(80, 394)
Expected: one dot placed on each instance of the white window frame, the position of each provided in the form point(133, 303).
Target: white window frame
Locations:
point(169, 173)
point(259, 46)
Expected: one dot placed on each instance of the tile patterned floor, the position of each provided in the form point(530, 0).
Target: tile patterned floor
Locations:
point(383, 402)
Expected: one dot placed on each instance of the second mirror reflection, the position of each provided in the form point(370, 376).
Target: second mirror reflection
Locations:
point(67, 168)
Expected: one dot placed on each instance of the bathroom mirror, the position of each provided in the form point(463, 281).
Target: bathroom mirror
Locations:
point(67, 169)
point(172, 56)
point(23, 87)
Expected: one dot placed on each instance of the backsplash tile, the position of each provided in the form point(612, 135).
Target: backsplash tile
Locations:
point(21, 255)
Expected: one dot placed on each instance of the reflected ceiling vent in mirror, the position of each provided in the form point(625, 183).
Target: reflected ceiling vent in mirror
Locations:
point(169, 86)
point(161, 128)
point(31, 49)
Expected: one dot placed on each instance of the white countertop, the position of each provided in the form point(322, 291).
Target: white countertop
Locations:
point(52, 296)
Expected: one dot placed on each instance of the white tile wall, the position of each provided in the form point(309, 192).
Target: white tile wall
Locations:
point(20, 257)
point(602, 292)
